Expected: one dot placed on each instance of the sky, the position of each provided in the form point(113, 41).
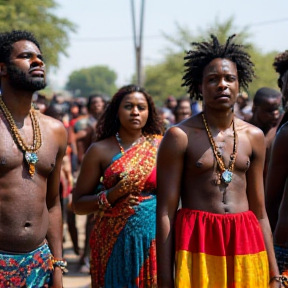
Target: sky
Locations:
point(104, 33)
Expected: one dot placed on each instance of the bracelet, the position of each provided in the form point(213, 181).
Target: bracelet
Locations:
point(283, 280)
point(103, 201)
point(61, 263)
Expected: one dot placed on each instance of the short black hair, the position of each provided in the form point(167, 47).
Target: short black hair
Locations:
point(109, 123)
point(7, 39)
point(281, 66)
point(265, 93)
point(204, 52)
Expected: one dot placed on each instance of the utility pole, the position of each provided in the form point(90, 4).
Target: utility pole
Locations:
point(138, 42)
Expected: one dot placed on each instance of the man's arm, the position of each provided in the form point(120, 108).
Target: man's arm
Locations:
point(170, 163)
point(54, 233)
point(277, 175)
point(255, 194)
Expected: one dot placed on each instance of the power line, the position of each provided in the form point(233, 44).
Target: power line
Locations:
point(268, 22)
point(107, 39)
point(130, 38)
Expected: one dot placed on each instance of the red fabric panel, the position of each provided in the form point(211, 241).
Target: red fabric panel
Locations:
point(218, 234)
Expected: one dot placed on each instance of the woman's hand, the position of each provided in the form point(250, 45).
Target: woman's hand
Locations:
point(123, 188)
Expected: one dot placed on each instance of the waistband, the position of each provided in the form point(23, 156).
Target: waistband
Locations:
point(43, 248)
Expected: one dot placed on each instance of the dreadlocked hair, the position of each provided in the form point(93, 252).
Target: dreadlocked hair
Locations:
point(197, 59)
point(281, 66)
point(109, 123)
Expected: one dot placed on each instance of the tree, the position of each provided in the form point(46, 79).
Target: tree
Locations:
point(165, 78)
point(37, 17)
point(96, 79)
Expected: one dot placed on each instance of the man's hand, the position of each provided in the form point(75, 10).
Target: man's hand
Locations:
point(57, 278)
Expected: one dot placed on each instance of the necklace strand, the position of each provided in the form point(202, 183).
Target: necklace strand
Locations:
point(122, 150)
point(226, 173)
point(29, 151)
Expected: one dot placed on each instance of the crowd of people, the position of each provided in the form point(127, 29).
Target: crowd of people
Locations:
point(191, 194)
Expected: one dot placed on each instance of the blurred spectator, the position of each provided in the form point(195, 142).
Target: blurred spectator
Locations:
point(41, 102)
point(165, 115)
point(242, 109)
point(84, 130)
point(195, 107)
point(266, 116)
point(183, 109)
point(171, 102)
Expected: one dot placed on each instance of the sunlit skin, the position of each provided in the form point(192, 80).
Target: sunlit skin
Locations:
point(133, 114)
point(30, 207)
point(186, 165)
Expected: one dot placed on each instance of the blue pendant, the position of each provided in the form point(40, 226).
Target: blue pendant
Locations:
point(227, 176)
point(31, 157)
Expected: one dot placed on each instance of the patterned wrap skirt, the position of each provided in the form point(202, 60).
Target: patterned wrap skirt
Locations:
point(29, 270)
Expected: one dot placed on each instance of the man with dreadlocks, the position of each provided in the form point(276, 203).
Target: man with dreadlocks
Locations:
point(276, 185)
point(214, 162)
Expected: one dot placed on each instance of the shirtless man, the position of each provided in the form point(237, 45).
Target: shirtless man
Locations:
point(276, 186)
point(266, 116)
point(31, 149)
point(214, 162)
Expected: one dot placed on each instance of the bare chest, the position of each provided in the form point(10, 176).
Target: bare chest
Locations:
point(200, 156)
point(13, 157)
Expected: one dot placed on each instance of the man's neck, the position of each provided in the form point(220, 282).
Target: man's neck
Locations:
point(254, 121)
point(219, 119)
point(18, 103)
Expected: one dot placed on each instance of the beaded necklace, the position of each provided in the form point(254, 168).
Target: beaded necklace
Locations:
point(119, 141)
point(226, 174)
point(29, 151)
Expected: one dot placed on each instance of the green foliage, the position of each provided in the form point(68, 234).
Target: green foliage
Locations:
point(265, 73)
point(165, 78)
point(96, 79)
point(38, 18)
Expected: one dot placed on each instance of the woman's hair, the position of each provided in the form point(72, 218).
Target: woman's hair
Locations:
point(281, 66)
point(205, 52)
point(109, 123)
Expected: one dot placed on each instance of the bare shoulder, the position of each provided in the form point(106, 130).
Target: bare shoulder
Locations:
point(253, 132)
point(50, 123)
point(102, 148)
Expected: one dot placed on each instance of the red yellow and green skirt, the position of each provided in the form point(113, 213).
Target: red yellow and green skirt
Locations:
point(219, 251)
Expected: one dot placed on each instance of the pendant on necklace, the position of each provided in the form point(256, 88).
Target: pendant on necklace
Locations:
point(227, 176)
point(31, 159)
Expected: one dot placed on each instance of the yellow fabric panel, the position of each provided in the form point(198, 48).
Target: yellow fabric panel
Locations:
point(199, 270)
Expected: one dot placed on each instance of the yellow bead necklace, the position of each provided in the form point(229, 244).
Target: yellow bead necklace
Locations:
point(226, 174)
point(30, 152)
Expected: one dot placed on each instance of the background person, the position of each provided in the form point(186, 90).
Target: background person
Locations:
point(124, 154)
point(276, 184)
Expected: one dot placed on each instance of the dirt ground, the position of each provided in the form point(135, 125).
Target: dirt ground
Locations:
point(74, 278)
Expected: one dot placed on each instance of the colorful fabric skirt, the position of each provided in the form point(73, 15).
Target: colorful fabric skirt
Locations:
point(132, 259)
point(29, 270)
point(281, 254)
point(219, 251)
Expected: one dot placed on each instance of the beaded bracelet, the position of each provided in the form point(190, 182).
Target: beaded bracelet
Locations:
point(61, 263)
point(103, 201)
point(283, 280)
